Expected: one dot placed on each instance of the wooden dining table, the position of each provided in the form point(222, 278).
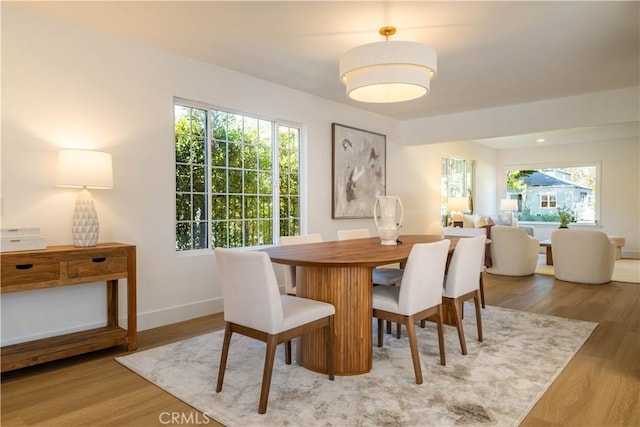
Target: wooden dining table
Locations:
point(340, 273)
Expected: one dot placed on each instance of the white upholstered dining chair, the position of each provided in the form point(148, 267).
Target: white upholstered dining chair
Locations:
point(418, 297)
point(461, 282)
point(471, 232)
point(290, 270)
point(381, 275)
point(254, 307)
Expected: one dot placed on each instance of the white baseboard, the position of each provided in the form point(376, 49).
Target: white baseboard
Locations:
point(54, 333)
point(630, 254)
point(153, 319)
point(146, 320)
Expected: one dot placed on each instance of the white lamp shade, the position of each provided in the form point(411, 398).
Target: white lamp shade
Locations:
point(389, 71)
point(508, 205)
point(458, 204)
point(83, 168)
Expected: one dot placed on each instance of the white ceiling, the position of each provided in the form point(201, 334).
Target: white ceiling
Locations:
point(489, 53)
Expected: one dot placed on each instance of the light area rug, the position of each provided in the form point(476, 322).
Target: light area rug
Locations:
point(495, 384)
point(625, 270)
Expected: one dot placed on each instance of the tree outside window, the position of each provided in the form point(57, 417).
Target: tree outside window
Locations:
point(226, 194)
point(457, 181)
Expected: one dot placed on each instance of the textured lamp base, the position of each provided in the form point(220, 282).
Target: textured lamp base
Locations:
point(85, 227)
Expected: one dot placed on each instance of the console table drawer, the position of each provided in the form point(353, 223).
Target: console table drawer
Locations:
point(29, 272)
point(97, 266)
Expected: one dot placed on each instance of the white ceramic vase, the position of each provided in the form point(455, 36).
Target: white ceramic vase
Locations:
point(85, 228)
point(391, 215)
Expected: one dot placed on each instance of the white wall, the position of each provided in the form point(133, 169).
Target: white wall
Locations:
point(66, 86)
point(620, 182)
point(417, 171)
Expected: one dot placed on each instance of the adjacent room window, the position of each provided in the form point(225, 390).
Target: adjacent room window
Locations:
point(237, 178)
point(457, 181)
point(540, 192)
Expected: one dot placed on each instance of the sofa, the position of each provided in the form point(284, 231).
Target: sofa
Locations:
point(475, 221)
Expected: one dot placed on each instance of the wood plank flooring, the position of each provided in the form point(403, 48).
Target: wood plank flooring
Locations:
point(599, 387)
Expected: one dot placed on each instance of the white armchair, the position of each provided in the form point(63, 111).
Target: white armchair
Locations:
point(513, 251)
point(583, 256)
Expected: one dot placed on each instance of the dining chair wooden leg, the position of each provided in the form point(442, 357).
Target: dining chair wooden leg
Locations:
point(413, 344)
point(329, 338)
point(380, 334)
point(476, 302)
point(457, 315)
point(270, 356)
point(388, 327)
point(223, 356)
point(441, 336)
point(398, 330)
point(482, 290)
point(287, 352)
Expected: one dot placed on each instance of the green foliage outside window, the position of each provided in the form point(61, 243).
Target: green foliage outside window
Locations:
point(226, 198)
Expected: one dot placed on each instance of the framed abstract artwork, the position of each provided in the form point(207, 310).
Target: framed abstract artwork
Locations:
point(358, 171)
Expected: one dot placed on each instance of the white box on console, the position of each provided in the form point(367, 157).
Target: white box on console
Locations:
point(19, 232)
point(28, 243)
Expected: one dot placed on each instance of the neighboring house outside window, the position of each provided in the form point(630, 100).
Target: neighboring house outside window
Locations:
point(542, 191)
point(226, 193)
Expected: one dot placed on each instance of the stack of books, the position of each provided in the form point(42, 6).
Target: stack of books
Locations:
point(22, 239)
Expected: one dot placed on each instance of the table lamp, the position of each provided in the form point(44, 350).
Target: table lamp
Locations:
point(84, 169)
point(511, 206)
point(456, 207)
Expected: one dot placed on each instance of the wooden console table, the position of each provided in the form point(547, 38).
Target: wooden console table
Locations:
point(64, 266)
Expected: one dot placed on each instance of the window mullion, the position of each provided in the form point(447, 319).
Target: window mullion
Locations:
point(208, 178)
point(275, 171)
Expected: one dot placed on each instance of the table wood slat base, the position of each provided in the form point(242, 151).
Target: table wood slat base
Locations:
point(349, 290)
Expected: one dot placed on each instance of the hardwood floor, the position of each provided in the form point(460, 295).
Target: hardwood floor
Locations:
point(599, 387)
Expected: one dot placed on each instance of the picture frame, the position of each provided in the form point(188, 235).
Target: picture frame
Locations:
point(358, 171)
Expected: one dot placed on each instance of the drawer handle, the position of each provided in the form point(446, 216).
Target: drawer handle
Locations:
point(101, 259)
point(24, 266)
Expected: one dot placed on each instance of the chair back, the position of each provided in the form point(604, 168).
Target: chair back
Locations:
point(421, 285)
point(290, 270)
point(356, 233)
point(467, 232)
point(299, 240)
point(465, 267)
point(249, 289)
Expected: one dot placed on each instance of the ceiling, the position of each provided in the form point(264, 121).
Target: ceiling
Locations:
point(490, 54)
